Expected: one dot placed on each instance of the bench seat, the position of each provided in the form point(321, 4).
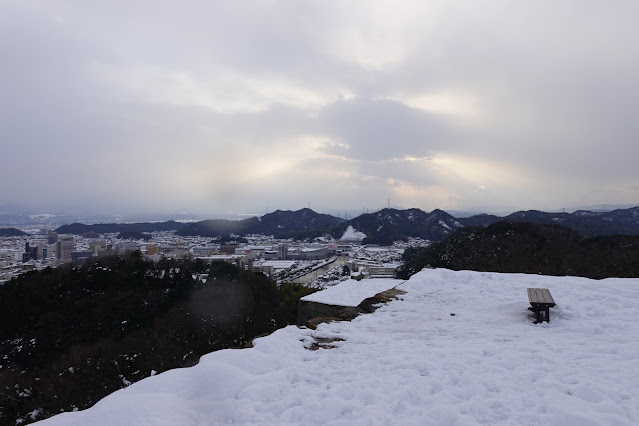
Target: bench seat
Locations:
point(541, 301)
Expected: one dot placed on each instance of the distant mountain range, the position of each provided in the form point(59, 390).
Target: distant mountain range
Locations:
point(106, 228)
point(302, 223)
point(622, 221)
point(11, 232)
point(382, 227)
point(388, 225)
point(588, 223)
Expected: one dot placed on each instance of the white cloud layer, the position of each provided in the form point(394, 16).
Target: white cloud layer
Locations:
point(247, 105)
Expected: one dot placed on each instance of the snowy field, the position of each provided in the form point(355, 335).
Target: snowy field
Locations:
point(413, 363)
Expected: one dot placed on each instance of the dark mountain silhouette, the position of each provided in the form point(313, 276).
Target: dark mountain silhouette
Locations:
point(480, 220)
point(106, 228)
point(621, 221)
point(588, 223)
point(533, 248)
point(388, 225)
point(382, 227)
point(282, 224)
point(11, 232)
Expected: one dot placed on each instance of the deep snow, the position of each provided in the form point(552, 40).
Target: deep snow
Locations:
point(351, 292)
point(412, 362)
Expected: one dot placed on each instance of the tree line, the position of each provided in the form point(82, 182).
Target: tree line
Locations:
point(531, 248)
point(72, 335)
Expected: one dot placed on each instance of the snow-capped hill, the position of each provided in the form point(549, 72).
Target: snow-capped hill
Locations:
point(457, 348)
point(389, 225)
point(444, 220)
point(351, 234)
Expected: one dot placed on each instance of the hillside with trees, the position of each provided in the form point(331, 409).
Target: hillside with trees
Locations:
point(382, 227)
point(105, 228)
point(531, 248)
point(389, 225)
point(11, 232)
point(587, 223)
point(298, 224)
point(71, 336)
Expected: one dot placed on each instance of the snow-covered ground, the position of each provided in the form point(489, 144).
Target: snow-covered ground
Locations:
point(412, 362)
point(351, 292)
point(352, 234)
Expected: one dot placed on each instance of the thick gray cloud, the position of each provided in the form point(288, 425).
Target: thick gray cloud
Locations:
point(385, 129)
point(243, 106)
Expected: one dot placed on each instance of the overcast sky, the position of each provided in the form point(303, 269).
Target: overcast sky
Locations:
point(249, 106)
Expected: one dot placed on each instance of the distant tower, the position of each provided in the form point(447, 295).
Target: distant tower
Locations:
point(52, 238)
point(389, 203)
point(282, 251)
point(64, 247)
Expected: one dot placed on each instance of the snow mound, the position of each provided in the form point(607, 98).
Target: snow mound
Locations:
point(351, 234)
point(413, 362)
point(351, 292)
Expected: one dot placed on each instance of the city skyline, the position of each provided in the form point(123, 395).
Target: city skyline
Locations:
point(251, 107)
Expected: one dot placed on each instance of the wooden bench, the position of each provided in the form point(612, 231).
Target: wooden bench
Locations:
point(541, 301)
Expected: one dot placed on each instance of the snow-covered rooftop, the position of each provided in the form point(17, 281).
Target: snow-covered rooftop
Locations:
point(412, 362)
point(222, 257)
point(279, 264)
point(311, 249)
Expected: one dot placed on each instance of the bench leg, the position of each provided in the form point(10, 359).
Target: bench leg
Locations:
point(538, 314)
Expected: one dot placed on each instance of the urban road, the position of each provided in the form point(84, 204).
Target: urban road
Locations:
point(341, 260)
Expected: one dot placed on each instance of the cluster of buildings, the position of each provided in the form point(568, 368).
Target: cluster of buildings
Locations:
point(280, 259)
point(20, 254)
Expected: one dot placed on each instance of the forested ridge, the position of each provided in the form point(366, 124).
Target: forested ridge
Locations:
point(71, 336)
point(531, 248)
